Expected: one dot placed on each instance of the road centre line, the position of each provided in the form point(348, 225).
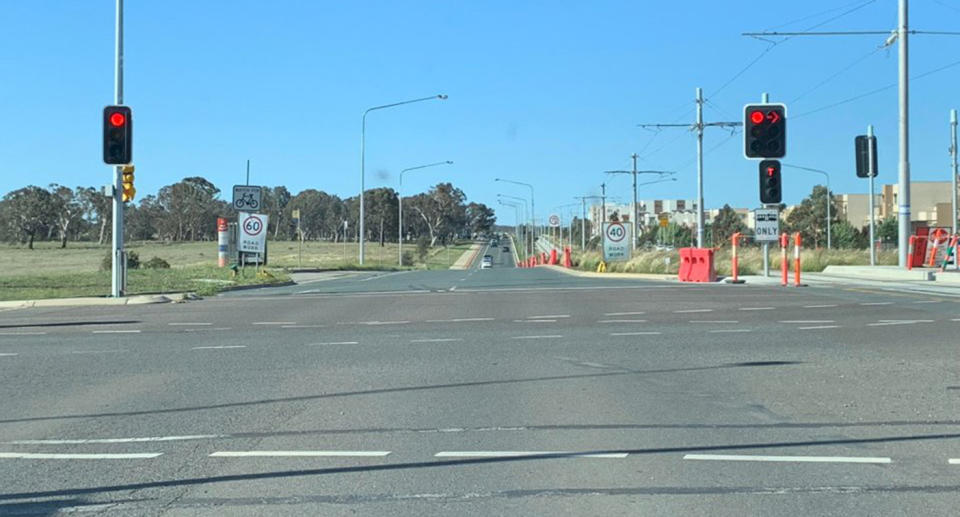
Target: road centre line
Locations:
point(437, 340)
point(143, 439)
point(520, 454)
point(819, 327)
point(116, 331)
point(189, 324)
point(820, 306)
point(688, 311)
point(334, 343)
point(877, 303)
point(756, 308)
point(77, 456)
point(325, 454)
point(274, 323)
point(635, 313)
point(217, 347)
point(538, 337)
point(806, 321)
point(800, 459)
point(459, 320)
point(635, 333)
point(729, 331)
point(621, 321)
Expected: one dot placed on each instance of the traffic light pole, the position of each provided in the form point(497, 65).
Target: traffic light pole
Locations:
point(872, 167)
point(119, 268)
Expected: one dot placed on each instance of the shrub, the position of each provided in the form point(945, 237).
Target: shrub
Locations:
point(156, 263)
point(133, 260)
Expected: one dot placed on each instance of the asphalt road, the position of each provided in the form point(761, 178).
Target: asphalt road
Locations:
point(503, 391)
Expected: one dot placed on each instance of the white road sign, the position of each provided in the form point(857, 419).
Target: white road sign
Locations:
point(554, 220)
point(253, 233)
point(616, 242)
point(246, 198)
point(766, 224)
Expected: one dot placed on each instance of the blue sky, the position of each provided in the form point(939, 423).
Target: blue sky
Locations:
point(545, 92)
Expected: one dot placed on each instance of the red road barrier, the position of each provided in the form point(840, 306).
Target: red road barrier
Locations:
point(685, 264)
point(703, 269)
point(797, 243)
point(784, 265)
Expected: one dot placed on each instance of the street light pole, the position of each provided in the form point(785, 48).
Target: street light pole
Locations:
point(525, 207)
point(400, 207)
point(363, 140)
point(829, 196)
point(533, 216)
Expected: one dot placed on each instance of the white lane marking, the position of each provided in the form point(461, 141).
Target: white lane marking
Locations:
point(953, 461)
point(728, 331)
point(436, 340)
point(806, 321)
point(116, 331)
point(819, 306)
point(217, 347)
point(520, 454)
point(954, 319)
point(538, 337)
point(802, 459)
point(22, 333)
point(756, 308)
point(549, 316)
point(877, 303)
point(77, 456)
point(634, 333)
point(383, 322)
point(116, 440)
point(7, 354)
point(713, 321)
point(454, 288)
point(274, 323)
point(817, 327)
point(459, 320)
point(884, 323)
point(189, 324)
point(205, 329)
point(96, 351)
point(325, 454)
point(688, 311)
point(621, 321)
point(302, 326)
point(534, 321)
point(635, 313)
point(334, 343)
point(928, 301)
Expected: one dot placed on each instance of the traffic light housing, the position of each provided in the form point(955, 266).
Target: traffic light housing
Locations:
point(864, 147)
point(770, 182)
point(117, 135)
point(126, 180)
point(765, 131)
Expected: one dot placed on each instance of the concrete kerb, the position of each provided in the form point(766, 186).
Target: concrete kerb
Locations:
point(96, 301)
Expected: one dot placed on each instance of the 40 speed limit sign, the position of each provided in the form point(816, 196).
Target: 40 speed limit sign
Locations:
point(616, 242)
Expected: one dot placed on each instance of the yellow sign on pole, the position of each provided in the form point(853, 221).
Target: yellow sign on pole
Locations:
point(664, 220)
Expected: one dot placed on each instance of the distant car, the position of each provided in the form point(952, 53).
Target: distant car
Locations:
point(506, 249)
point(487, 262)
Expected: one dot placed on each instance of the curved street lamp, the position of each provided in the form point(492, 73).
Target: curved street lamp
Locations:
point(829, 197)
point(400, 207)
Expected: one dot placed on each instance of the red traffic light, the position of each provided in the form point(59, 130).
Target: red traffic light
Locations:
point(117, 119)
point(771, 171)
point(757, 117)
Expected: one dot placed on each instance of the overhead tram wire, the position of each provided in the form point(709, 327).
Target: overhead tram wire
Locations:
point(837, 74)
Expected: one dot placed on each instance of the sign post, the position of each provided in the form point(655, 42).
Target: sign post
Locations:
point(616, 241)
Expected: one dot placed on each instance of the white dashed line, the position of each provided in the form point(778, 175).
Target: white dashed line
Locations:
point(953, 461)
point(274, 323)
point(302, 326)
point(116, 331)
point(713, 321)
point(520, 454)
point(334, 343)
point(806, 321)
point(634, 333)
point(802, 459)
point(729, 331)
point(436, 340)
point(23, 333)
point(75, 456)
point(689, 311)
point(534, 321)
point(206, 329)
point(383, 322)
point(189, 324)
point(637, 313)
point(877, 303)
point(549, 316)
point(97, 351)
point(116, 440)
point(324, 454)
point(538, 337)
point(217, 347)
point(756, 308)
point(819, 306)
point(885, 323)
point(8, 354)
point(459, 320)
point(928, 301)
point(621, 321)
point(819, 327)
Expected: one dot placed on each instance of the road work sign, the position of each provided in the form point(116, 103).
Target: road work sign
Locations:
point(616, 242)
point(253, 233)
point(766, 222)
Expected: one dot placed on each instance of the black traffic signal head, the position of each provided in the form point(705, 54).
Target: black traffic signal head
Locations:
point(865, 149)
point(765, 131)
point(117, 135)
point(770, 182)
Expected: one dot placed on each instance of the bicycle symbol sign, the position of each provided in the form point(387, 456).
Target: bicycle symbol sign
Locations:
point(246, 197)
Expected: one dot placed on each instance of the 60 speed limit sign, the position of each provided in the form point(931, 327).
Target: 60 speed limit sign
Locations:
point(616, 241)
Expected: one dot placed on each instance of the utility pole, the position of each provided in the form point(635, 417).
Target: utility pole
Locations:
point(603, 203)
point(698, 125)
point(118, 277)
point(583, 220)
point(248, 172)
point(953, 175)
point(634, 172)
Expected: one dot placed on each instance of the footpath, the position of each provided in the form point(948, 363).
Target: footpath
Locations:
point(467, 258)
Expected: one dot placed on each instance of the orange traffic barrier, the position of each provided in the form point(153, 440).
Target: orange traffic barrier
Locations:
point(686, 264)
point(567, 262)
point(797, 243)
point(784, 265)
point(734, 264)
point(553, 257)
point(939, 237)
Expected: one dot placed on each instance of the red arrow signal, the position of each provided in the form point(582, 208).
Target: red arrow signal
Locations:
point(773, 117)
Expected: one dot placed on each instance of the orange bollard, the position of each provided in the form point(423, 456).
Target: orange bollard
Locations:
point(910, 252)
point(797, 242)
point(784, 265)
point(553, 257)
point(567, 262)
point(735, 240)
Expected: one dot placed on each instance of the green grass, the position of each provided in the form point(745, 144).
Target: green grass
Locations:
point(750, 260)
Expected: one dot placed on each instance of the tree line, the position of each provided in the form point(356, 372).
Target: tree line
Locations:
point(188, 211)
